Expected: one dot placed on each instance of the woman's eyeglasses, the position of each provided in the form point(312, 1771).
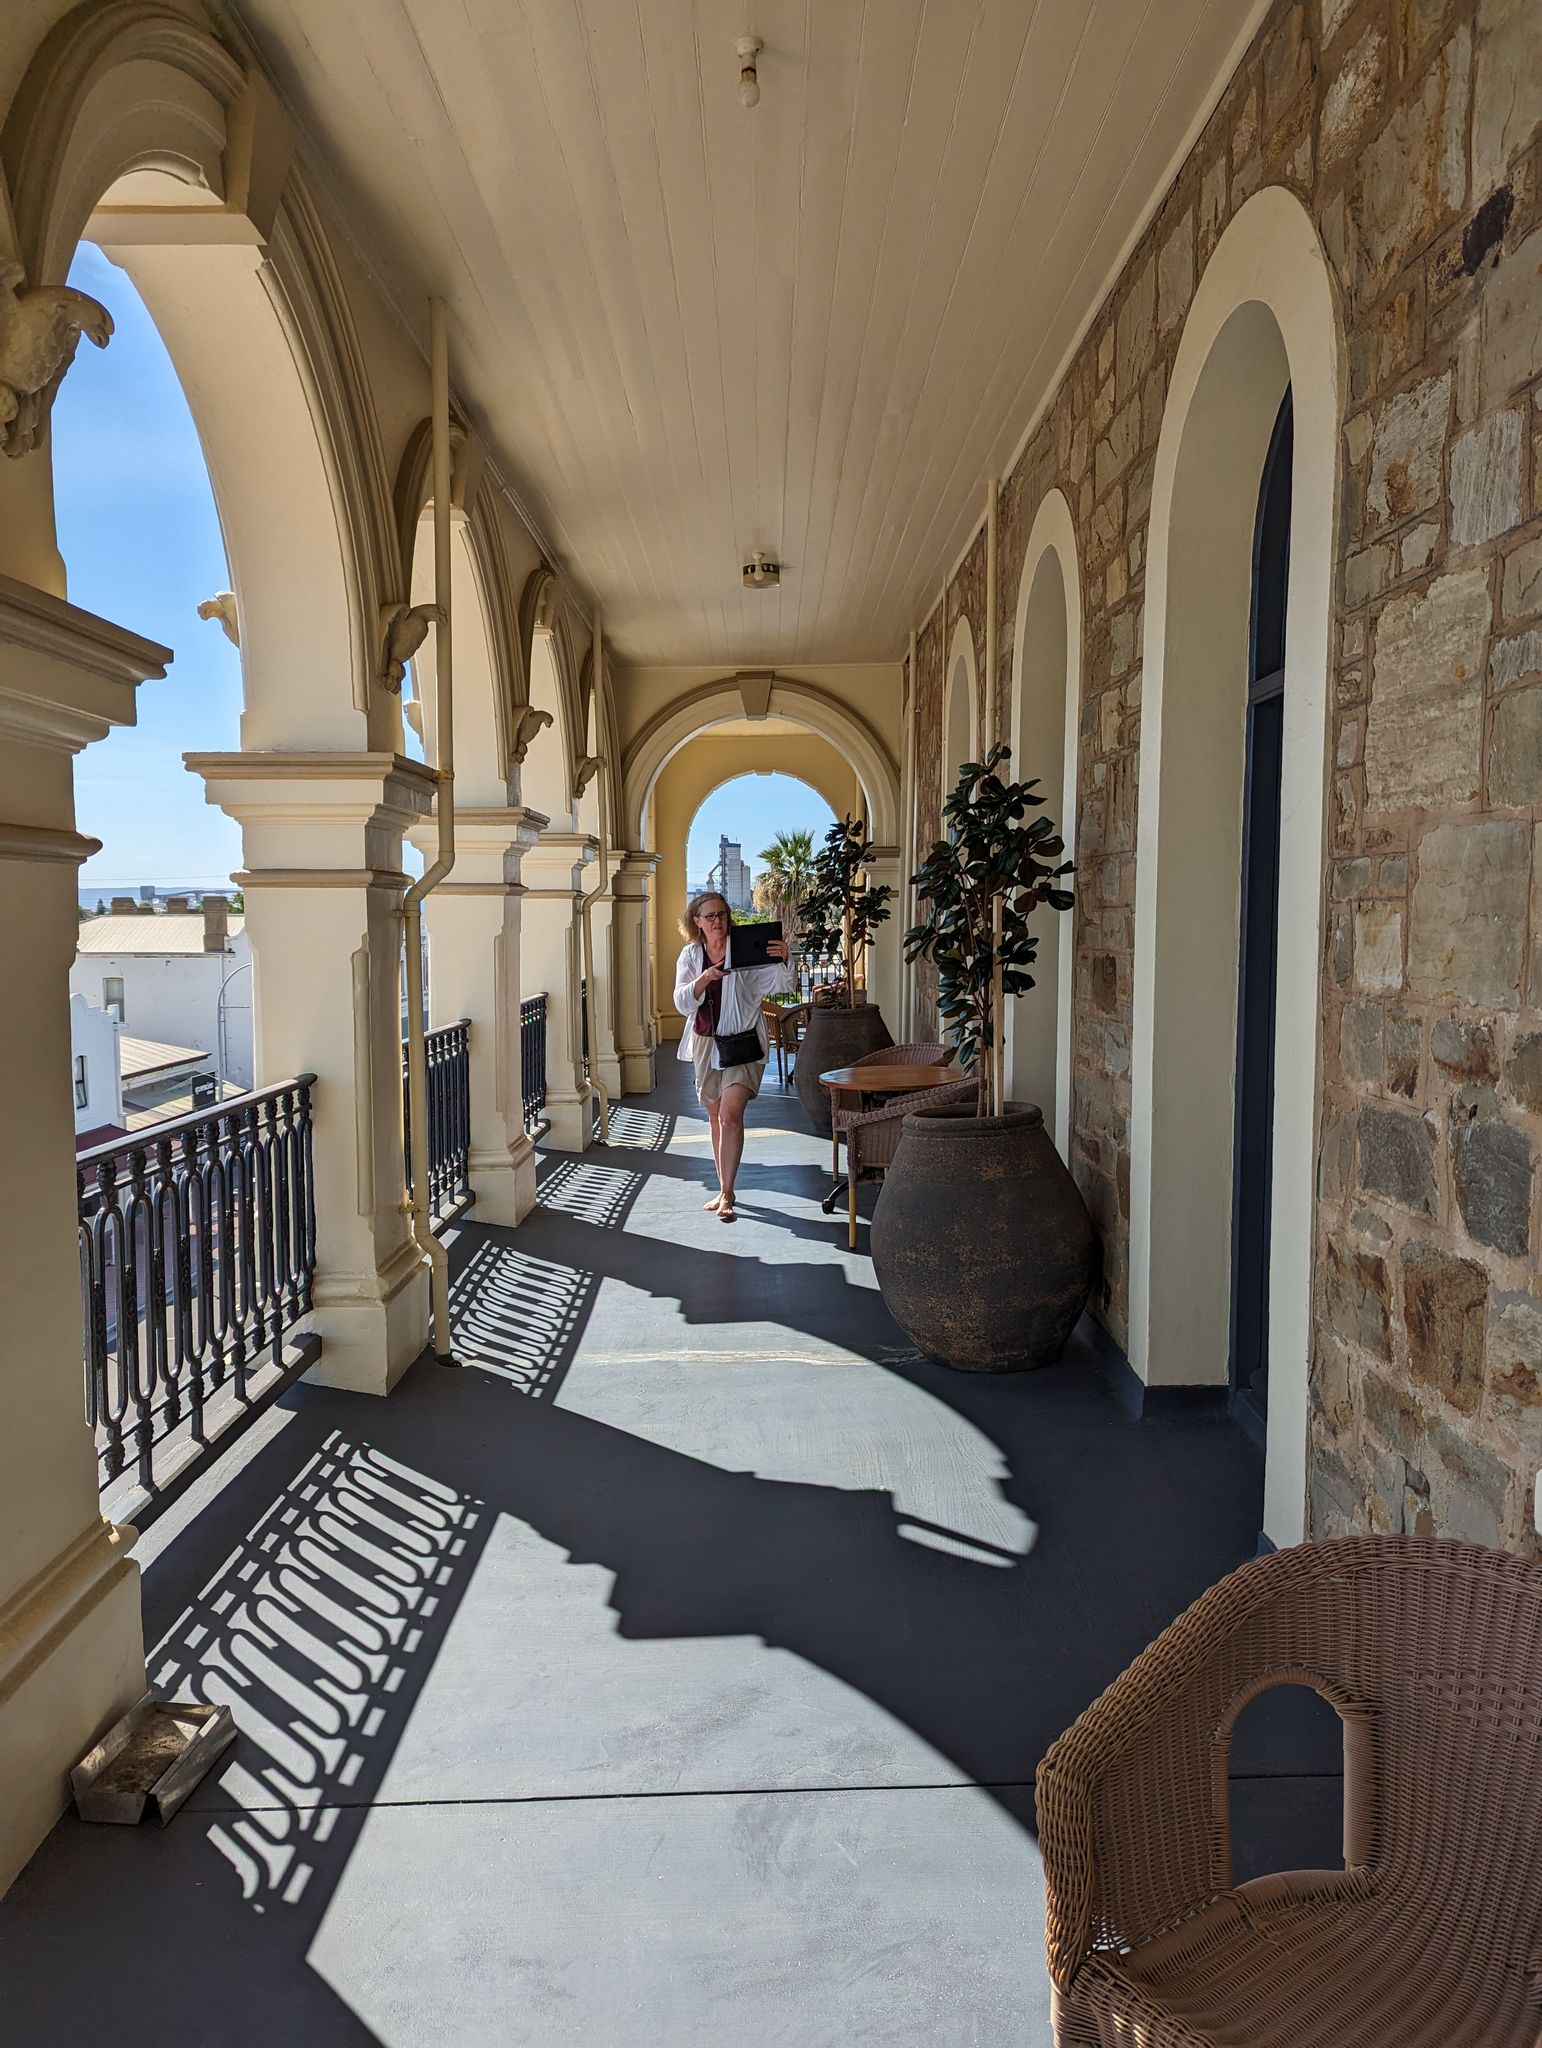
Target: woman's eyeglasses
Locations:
point(712, 917)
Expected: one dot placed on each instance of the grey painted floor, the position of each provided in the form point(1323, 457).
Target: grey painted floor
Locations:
point(675, 1674)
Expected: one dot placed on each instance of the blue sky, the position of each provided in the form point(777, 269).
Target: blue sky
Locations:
point(141, 542)
point(753, 809)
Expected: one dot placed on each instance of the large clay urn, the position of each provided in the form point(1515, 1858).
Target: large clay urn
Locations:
point(981, 1242)
point(834, 1038)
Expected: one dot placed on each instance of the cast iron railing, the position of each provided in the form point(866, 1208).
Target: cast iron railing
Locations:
point(449, 1116)
point(197, 1257)
point(532, 1060)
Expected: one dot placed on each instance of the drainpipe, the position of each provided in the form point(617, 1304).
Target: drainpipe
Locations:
point(990, 708)
point(444, 808)
point(591, 897)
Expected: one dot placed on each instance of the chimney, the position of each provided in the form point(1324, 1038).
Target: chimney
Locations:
point(125, 906)
point(216, 924)
point(178, 906)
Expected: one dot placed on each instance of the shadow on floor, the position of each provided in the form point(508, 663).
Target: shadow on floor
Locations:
point(315, 1587)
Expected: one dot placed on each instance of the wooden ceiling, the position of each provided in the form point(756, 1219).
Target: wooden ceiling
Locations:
point(691, 329)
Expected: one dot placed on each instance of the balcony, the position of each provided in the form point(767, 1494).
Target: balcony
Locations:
point(673, 1673)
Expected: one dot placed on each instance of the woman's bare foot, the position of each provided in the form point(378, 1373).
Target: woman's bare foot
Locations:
point(716, 1203)
point(725, 1210)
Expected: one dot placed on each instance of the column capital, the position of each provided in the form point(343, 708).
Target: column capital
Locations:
point(634, 871)
point(318, 820)
point(491, 844)
point(66, 676)
point(554, 865)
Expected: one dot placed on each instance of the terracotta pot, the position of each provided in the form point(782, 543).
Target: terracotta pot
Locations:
point(981, 1242)
point(834, 1038)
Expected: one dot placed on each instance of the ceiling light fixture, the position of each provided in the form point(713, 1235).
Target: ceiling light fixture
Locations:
point(749, 48)
point(761, 573)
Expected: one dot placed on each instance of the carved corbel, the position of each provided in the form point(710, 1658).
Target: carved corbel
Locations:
point(222, 606)
point(528, 723)
point(40, 329)
point(585, 773)
point(403, 629)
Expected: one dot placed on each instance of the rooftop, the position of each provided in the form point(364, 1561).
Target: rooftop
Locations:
point(174, 933)
point(138, 1057)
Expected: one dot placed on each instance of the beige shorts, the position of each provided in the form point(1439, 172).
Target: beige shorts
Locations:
point(711, 1080)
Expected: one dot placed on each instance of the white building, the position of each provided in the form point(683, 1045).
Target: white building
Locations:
point(181, 978)
point(94, 1069)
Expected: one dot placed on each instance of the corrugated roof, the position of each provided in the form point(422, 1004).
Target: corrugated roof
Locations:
point(176, 933)
point(140, 1056)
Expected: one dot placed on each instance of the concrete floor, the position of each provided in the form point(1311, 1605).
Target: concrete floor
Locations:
point(675, 1674)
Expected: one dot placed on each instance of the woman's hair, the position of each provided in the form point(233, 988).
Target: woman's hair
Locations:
point(688, 927)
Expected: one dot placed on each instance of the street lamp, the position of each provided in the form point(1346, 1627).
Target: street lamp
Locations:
point(220, 1061)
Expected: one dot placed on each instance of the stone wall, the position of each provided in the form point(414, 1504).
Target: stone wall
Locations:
point(1410, 130)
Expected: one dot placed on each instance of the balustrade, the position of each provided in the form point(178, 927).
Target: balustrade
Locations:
point(532, 1061)
point(448, 1055)
point(197, 1257)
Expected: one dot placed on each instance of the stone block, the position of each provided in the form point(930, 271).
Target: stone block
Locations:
point(1287, 63)
point(1523, 1075)
point(1395, 1416)
point(1404, 1046)
point(1507, 86)
point(1423, 742)
point(1392, 875)
point(1367, 572)
point(1395, 1155)
point(1445, 1306)
point(1413, 175)
point(1493, 1165)
point(1350, 103)
point(1135, 331)
point(1469, 1488)
point(1331, 16)
point(1416, 548)
point(1515, 748)
point(1357, 1293)
point(1464, 1049)
point(1517, 658)
point(1379, 946)
point(1407, 451)
point(1513, 1367)
point(1522, 598)
point(1486, 478)
point(1512, 321)
point(1467, 919)
point(1175, 274)
point(1352, 878)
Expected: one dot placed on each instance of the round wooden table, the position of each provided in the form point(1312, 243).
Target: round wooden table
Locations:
point(873, 1079)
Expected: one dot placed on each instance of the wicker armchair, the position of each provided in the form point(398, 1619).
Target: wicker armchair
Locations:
point(1431, 1936)
point(872, 1135)
point(784, 1028)
point(920, 1055)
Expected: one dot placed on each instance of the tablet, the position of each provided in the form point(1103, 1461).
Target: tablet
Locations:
point(747, 943)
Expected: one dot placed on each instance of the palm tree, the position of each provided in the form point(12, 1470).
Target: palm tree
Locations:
point(784, 879)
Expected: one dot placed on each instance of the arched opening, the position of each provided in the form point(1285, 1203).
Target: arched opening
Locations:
point(161, 944)
point(1289, 1731)
point(738, 783)
point(961, 722)
point(546, 776)
point(1046, 683)
point(1263, 323)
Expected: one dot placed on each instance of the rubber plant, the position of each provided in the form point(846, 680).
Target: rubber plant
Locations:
point(980, 887)
point(841, 909)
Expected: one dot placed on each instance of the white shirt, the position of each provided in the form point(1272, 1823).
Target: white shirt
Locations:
point(743, 989)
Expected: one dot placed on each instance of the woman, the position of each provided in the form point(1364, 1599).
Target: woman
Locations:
point(720, 1002)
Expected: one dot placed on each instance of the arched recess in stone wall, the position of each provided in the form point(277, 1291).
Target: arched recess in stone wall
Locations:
point(604, 739)
point(549, 763)
point(134, 128)
point(961, 706)
point(1264, 317)
point(720, 703)
point(1046, 696)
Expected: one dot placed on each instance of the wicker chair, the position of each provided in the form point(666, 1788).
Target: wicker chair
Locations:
point(784, 1027)
point(1431, 1936)
point(921, 1055)
point(872, 1135)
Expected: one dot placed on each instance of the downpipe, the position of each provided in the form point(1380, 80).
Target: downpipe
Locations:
point(591, 897)
point(427, 1243)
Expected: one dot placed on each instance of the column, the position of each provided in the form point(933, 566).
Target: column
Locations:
point(635, 1050)
point(71, 1653)
point(604, 1060)
point(474, 950)
point(551, 961)
point(888, 951)
point(322, 842)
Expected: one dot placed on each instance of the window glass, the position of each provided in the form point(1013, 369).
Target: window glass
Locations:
point(82, 1087)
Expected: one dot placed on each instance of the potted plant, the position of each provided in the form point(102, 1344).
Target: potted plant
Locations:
point(982, 1245)
point(837, 918)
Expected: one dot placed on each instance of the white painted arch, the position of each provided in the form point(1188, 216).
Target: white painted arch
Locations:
point(1046, 700)
point(961, 707)
point(1264, 315)
point(720, 703)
